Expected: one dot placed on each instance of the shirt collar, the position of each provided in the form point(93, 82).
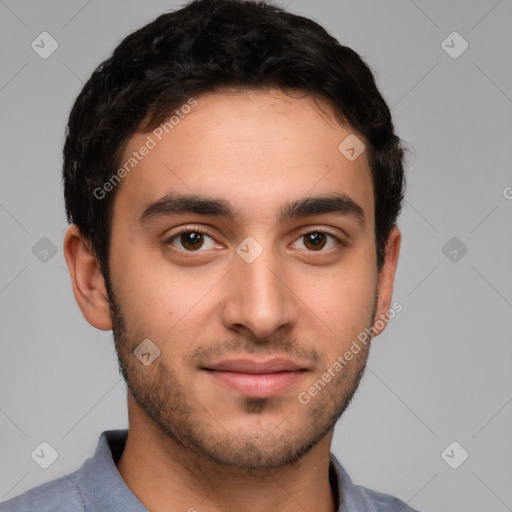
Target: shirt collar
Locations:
point(352, 499)
point(99, 481)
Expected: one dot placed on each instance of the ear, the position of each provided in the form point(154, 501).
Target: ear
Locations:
point(386, 281)
point(88, 283)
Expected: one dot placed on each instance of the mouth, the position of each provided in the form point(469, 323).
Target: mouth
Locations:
point(257, 379)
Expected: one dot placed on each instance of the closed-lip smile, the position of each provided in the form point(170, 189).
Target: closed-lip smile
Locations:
point(256, 378)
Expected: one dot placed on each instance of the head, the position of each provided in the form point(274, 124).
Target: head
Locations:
point(216, 211)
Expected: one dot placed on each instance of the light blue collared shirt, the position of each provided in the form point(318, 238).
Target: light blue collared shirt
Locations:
point(98, 487)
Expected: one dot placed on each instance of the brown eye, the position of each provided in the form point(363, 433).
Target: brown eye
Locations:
point(315, 241)
point(192, 240)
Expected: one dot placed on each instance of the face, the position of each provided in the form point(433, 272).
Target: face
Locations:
point(253, 287)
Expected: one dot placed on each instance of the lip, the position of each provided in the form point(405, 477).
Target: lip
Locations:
point(255, 367)
point(258, 379)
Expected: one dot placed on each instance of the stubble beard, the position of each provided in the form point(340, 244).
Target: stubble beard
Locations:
point(179, 416)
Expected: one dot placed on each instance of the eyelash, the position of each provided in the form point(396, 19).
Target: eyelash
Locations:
point(192, 229)
point(195, 229)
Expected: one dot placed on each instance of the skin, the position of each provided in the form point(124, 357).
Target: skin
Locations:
point(193, 443)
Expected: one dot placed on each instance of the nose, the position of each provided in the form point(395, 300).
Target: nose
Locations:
point(259, 297)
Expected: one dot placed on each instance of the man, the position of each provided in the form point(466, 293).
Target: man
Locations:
point(233, 180)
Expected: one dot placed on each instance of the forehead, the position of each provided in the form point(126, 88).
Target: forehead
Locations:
point(256, 149)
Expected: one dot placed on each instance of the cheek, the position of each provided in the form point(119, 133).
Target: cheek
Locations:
point(345, 306)
point(160, 300)
point(344, 298)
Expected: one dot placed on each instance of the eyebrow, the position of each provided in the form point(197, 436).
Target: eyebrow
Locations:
point(339, 204)
point(176, 204)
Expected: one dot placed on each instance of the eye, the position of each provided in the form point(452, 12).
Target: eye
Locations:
point(191, 239)
point(316, 240)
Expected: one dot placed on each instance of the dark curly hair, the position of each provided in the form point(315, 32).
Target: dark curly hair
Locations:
point(207, 46)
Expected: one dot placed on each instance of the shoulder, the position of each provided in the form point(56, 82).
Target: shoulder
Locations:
point(384, 502)
point(59, 495)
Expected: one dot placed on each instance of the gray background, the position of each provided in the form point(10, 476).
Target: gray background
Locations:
point(440, 373)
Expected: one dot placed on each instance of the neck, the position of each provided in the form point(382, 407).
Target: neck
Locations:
point(166, 476)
